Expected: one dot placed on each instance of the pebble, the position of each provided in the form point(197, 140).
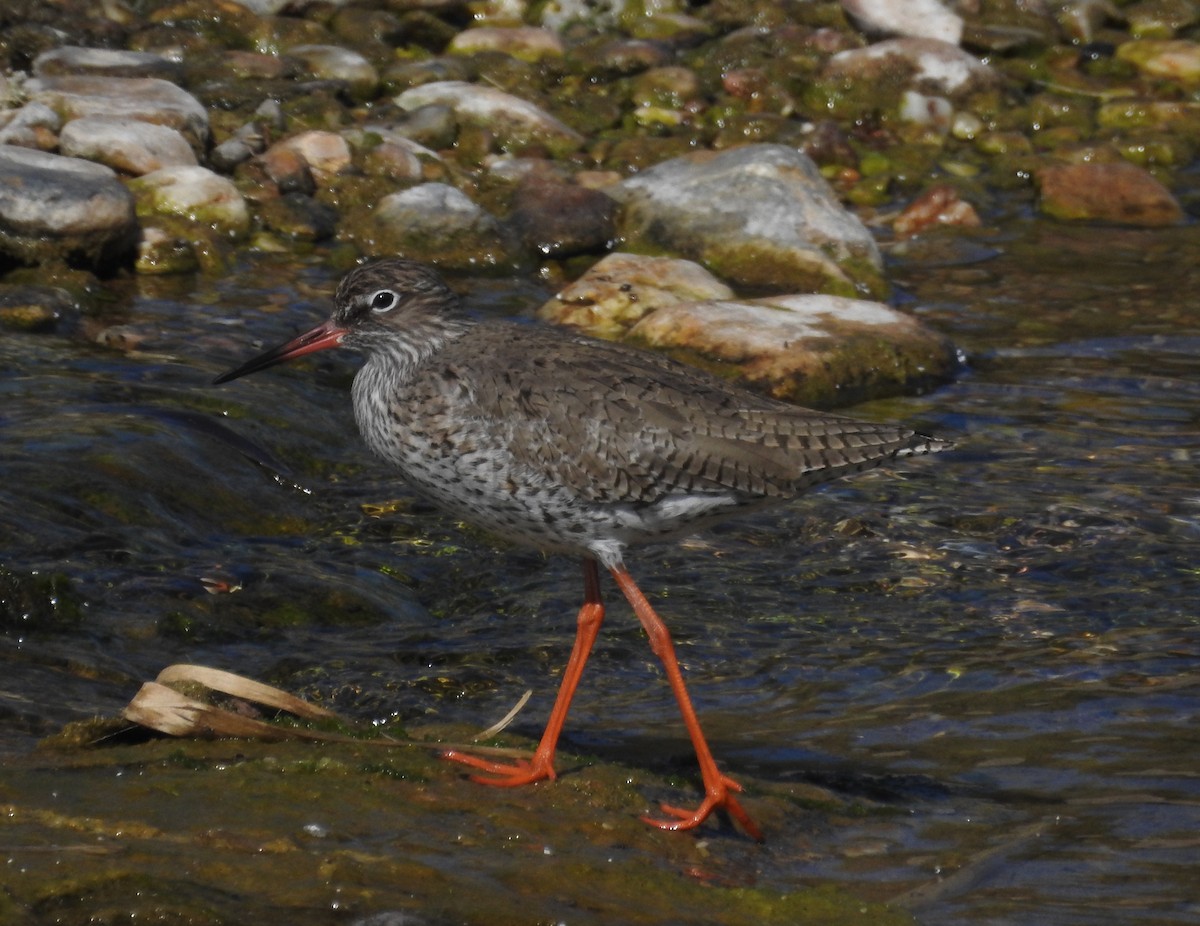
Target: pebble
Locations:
point(106, 62)
point(1175, 59)
point(776, 221)
point(939, 205)
point(126, 145)
point(619, 290)
point(557, 219)
point(34, 125)
point(922, 64)
point(195, 194)
point(435, 223)
point(331, 62)
point(526, 43)
point(927, 19)
point(1120, 194)
point(515, 122)
point(149, 99)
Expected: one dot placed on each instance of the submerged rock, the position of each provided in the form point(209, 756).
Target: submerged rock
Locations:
point(560, 219)
point(332, 62)
point(435, 223)
point(927, 65)
point(516, 123)
point(1121, 193)
point(760, 214)
point(55, 207)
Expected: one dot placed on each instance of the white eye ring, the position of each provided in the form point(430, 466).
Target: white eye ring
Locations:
point(383, 300)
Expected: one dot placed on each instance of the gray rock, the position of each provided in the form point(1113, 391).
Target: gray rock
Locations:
point(54, 207)
point(332, 62)
point(34, 125)
point(146, 98)
point(759, 214)
point(515, 122)
point(105, 62)
point(436, 223)
point(128, 145)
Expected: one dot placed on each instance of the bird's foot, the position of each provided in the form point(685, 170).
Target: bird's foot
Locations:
point(505, 774)
point(719, 796)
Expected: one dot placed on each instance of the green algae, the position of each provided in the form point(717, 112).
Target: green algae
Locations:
point(240, 832)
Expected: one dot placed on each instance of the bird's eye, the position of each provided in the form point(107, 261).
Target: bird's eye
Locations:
point(383, 301)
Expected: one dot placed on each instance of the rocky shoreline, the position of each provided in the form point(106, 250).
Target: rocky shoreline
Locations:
point(773, 145)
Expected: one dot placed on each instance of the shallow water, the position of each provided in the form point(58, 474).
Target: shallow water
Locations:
point(990, 653)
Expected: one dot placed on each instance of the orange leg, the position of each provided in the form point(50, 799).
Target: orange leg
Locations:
point(541, 766)
point(718, 789)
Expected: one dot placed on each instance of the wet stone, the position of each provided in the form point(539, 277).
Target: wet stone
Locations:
point(436, 223)
point(195, 194)
point(928, 19)
point(126, 145)
point(927, 65)
point(298, 216)
point(34, 125)
point(1173, 60)
point(34, 308)
point(60, 207)
point(324, 153)
point(516, 123)
point(558, 219)
point(105, 62)
point(811, 349)
point(432, 126)
point(526, 43)
point(331, 62)
point(940, 205)
point(146, 98)
point(618, 291)
point(759, 214)
point(619, 57)
point(1119, 193)
point(408, 74)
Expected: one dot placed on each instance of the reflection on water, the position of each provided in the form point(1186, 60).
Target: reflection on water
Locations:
point(997, 646)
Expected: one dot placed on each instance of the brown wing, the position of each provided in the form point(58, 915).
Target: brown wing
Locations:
point(622, 425)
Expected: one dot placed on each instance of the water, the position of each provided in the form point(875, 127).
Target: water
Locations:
point(993, 652)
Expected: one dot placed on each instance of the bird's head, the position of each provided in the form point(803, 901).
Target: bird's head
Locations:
point(387, 303)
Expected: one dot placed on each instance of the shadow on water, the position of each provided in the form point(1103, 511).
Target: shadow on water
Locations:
point(966, 688)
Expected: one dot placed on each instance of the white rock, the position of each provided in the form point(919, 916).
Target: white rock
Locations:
point(937, 66)
point(128, 145)
point(928, 19)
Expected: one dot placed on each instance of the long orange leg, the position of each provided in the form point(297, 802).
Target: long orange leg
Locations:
point(718, 789)
point(541, 766)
